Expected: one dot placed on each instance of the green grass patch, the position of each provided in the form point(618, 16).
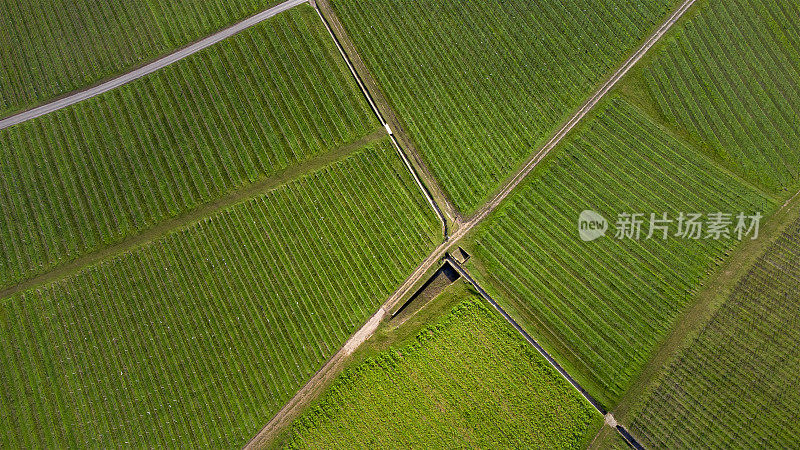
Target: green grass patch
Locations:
point(481, 84)
point(52, 47)
point(197, 339)
point(90, 175)
point(735, 385)
point(468, 380)
point(602, 307)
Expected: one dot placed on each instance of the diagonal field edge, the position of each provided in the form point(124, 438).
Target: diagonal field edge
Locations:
point(186, 218)
point(291, 409)
point(425, 191)
point(563, 372)
point(149, 68)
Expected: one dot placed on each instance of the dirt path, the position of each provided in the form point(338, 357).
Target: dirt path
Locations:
point(580, 114)
point(149, 68)
point(316, 384)
point(329, 370)
point(205, 210)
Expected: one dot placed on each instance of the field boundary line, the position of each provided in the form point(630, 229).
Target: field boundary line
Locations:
point(576, 118)
point(706, 302)
point(317, 383)
point(370, 98)
point(147, 69)
point(487, 208)
point(192, 216)
point(610, 421)
point(525, 335)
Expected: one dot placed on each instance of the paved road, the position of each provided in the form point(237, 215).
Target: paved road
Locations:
point(303, 396)
point(149, 68)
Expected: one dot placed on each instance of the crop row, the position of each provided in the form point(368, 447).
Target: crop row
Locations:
point(197, 339)
point(469, 379)
point(604, 305)
point(736, 384)
point(51, 47)
point(730, 77)
point(480, 84)
point(91, 174)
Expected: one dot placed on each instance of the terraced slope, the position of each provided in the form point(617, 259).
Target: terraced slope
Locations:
point(468, 380)
point(729, 78)
point(51, 47)
point(735, 386)
point(197, 339)
point(89, 175)
point(602, 306)
point(480, 84)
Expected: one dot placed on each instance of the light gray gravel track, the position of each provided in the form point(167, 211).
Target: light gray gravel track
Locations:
point(149, 68)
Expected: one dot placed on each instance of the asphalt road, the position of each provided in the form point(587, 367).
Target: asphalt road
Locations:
point(149, 68)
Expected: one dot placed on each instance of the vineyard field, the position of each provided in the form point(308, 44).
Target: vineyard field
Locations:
point(603, 306)
point(735, 385)
point(730, 78)
point(52, 47)
point(468, 380)
point(94, 173)
point(197, 339)
point(480, 85)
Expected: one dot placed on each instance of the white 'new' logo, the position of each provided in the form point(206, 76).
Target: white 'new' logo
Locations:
point(591, 225)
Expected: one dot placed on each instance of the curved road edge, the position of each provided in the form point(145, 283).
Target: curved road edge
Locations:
point(149, 68)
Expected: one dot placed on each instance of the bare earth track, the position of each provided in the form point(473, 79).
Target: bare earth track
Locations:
point(208, 209)
point(306, 393)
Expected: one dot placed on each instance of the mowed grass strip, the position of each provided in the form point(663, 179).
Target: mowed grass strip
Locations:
point(730, 78)
point(51, 47)
point(469, 380)
point(92, 174)
point(735, 386)
point(481, 84)
point(198, 339)
point(603, 306)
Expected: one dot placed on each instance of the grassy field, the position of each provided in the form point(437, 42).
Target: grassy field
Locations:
point(198, 338)
point(467, 380)
point(735, 386)
point(603, 306)
point(92, 174)
point(51, 47)
point(480, 84)
point(729, 80)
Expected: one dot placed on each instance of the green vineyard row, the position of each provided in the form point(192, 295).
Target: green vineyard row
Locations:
point(735, 386)
point(94, 173)
point(603, 306)
point(468, 380)
point(51, 47)
point(479, 84)
point(197, 339)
